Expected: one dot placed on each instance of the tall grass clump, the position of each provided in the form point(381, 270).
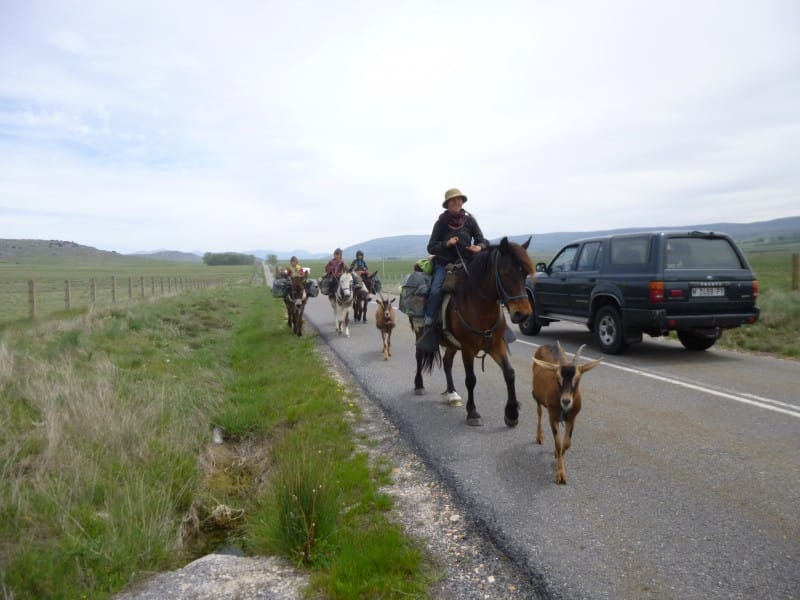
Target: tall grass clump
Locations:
point(303, 505)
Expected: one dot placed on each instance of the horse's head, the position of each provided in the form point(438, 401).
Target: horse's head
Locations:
point(297, 287)
point(513, 265)
point(369, 281)
point(344, 291)
point(500, 270)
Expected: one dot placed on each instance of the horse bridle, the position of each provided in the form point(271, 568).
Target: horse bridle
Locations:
point(504, 296)
point(486, 334)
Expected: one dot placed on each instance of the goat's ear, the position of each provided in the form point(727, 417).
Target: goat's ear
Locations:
point(589, 365)
point(391, 301)
point(546, 365)
point(528, 243)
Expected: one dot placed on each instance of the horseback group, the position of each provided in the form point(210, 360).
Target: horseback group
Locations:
point(456, 301)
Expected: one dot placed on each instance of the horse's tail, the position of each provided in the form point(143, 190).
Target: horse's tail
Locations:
point(429, 359)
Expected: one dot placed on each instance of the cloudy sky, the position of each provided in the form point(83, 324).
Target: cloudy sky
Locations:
point(202, 125)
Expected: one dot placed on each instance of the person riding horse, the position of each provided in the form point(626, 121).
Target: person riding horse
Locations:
point(456, 237)
point(359, 265)
point(333, 269)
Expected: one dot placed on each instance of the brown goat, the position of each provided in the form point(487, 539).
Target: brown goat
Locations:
point(385, 321)
point(555, 386)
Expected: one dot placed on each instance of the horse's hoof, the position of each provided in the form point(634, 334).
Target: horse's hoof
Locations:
point(419, 391)
point(452, 398)
point(475, 421)
point(511, 422)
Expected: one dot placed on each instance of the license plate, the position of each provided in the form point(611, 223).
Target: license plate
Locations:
point(705, 292)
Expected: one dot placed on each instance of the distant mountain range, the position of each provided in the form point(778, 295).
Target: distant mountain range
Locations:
point(778, 232)
point(413, 246)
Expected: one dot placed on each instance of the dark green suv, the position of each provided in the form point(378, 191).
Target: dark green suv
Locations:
point(694, 283)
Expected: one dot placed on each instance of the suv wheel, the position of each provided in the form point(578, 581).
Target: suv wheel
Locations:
point(608, 330)
point(531, 325)
point(696, 341)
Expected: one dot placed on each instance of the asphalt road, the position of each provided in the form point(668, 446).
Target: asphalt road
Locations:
point(684, 473)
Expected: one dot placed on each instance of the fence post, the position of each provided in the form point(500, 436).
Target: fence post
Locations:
point(113, 289)
point(67, 295)
point(161, 280)
point(795, 271)
point(141, 285)
point(93, 291)
point(130, 288)
point(152, 286)
point(31, 298)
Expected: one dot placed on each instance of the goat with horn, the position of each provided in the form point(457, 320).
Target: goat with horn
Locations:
point(556, 387)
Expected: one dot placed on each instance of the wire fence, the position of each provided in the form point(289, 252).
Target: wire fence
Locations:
point(31, 298)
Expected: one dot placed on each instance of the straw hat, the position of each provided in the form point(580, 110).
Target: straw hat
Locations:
point(452, 193)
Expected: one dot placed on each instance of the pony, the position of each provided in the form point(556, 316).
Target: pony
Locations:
point(295, 300)
point(474, 321)
point(341, 301)
point(363, 291)
point(385, 321)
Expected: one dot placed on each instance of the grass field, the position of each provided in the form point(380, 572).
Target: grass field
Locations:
point(107, 469)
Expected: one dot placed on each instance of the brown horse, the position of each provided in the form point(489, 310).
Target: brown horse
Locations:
point(295, 301)
point(474, 321)
point(363, 296)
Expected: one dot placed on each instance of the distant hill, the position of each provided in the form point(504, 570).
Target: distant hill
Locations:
point(171, 255)
point(779, 233)
point(21, 248)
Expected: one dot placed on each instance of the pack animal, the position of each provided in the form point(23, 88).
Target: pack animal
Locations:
point(295, 301)
point(474, 321)
point(342, 301)
point(363, 292)
point(385, 321)
point(556, 387)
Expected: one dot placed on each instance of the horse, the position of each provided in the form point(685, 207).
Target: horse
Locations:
point(362, 296)
point(341, 300)
point(385, 321)
point(295, 300)
point(474, 321)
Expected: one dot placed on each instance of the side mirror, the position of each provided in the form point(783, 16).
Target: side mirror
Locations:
point(541, 267)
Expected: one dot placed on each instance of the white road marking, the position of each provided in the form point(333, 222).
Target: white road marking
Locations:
point(751, 399)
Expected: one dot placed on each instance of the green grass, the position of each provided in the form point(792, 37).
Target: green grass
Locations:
point(133, 280)
point(106, 420)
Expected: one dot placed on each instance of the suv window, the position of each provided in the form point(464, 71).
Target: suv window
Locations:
point(564, 260)
point(701, 253)
point(589, 255)
point(630, 251)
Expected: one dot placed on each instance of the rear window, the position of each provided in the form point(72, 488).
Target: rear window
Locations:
point(701, 253)
point(630, 251)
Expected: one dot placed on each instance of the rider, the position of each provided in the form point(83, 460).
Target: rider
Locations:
point(334, 268)
point(295, 266)
point(359, 265)
point(456, 235)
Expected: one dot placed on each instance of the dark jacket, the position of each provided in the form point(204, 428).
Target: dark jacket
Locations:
point(467, 234)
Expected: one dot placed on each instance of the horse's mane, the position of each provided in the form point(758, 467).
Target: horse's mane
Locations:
point(482, 263)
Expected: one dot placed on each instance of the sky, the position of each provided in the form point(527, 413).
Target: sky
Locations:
point(208, 126)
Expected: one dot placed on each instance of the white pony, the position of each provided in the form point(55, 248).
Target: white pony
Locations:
point(341, 301)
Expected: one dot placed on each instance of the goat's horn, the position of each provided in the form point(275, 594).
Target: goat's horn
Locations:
point(561, 355)
point(578, 354)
